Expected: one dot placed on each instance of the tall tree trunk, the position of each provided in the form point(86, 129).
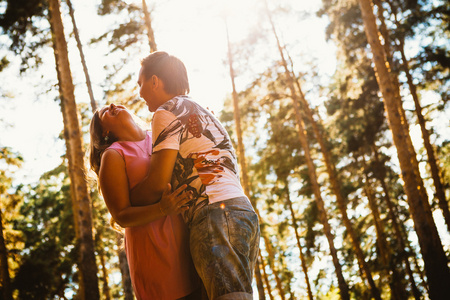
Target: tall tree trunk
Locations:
point(417, 265)
point(333, 176)
point(106, 290)
point(101, 254)
point(241, 149)
point(297, 237)
point(237, 122)
point(343, 287)
point(398, 290)
point(287, 288)
point(82, 213)
point(271, 260)
point(266, 278)
point(432, 160)
point(148, 24)
point(259, 282)
point(312, 174)
point(393, 216)
point(83, 61)
point(398, 100)
point(433, 254)
point(335, 185)
point(5, 279)
point(124, 270)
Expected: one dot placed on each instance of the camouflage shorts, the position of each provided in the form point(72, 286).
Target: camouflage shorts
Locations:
point(224, 242)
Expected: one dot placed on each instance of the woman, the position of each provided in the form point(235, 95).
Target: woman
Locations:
point(156, 237)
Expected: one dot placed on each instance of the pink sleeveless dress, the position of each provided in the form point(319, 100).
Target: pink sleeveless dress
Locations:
point(158, 253)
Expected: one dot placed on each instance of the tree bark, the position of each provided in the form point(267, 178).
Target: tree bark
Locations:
point(237, 122)
point(432, 160)
point(83, 60)
point(5, 279)
point(266, 278)
point(241, 149)
point(259, 282)
point(148, 24)
point(398, 290)
point(434, 257)
point(82, 210)
point(106, 290)
point(335, 185)
point(124, 270)
point(297, 237)
point(344, 290)
point(392, 213)
point(275, 272)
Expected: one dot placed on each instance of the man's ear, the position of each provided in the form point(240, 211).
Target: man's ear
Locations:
point(155, 81)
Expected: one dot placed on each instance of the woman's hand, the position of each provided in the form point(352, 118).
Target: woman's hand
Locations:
point(174, 203)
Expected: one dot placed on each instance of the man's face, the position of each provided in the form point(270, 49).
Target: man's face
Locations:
point(146, 91)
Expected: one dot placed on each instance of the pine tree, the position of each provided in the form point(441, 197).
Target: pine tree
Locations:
point(148, 24)
point(17, 22)
point(433, 254)
point(432, 160)
point(241, 149)
point(82, 57)
point(80, 199)
point(7, 158)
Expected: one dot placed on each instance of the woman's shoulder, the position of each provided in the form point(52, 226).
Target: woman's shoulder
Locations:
point(116, 149)
point(112, 157)
point(116, 146)
point(124, 147)
point(113, 150)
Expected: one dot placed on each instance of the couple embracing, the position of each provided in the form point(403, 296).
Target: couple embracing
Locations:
point(189, 228)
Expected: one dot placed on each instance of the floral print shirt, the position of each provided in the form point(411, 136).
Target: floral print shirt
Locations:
point(206, 159)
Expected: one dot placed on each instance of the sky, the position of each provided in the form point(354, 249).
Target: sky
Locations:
point(192, 30)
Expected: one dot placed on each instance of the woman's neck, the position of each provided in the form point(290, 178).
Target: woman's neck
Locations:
point(133, 134)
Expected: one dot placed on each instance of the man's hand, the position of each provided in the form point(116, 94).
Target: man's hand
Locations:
point(174, 203)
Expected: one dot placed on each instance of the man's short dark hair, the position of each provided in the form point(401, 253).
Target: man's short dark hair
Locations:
point(169, 69)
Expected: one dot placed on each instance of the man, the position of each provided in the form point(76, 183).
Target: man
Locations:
point(191, 147)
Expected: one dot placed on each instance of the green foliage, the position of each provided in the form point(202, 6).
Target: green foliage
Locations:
point(126, 39)
point(10, 201)
point(425, 23)
point(444, 152)
point(46, 222)
point(19, 22)
point(43, 273)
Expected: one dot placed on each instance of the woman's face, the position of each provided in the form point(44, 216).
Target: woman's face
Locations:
point(113, 116)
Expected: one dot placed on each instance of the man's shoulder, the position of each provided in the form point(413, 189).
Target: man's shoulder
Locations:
point(168, 105)
point(181, 105)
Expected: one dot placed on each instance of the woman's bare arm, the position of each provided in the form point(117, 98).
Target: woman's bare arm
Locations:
point(151, 188)
point(115, 190)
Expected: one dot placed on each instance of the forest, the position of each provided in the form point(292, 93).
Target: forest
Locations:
point(343, 138)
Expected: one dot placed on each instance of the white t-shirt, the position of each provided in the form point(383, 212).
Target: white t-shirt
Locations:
point(206, 159)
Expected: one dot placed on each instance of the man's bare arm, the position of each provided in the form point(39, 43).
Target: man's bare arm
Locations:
point(151, 188)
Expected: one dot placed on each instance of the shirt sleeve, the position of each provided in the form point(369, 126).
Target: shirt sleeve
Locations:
point(166, 130)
